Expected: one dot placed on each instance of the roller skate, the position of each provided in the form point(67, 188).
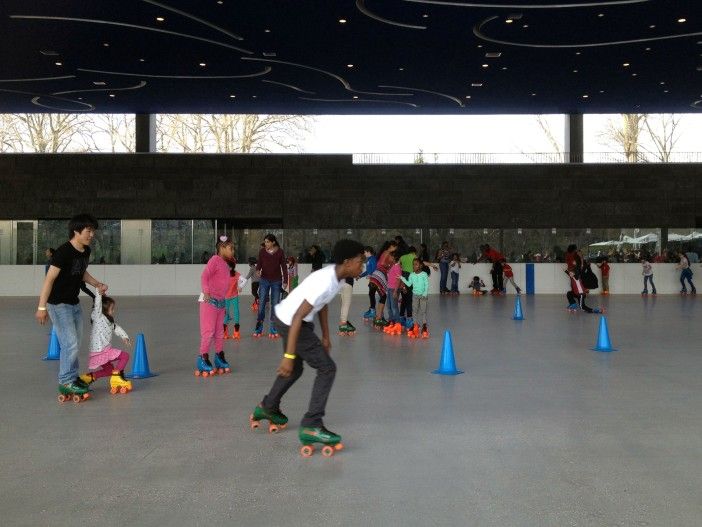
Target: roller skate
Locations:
point(204, 366)
point(273, 333)
point(220, 364)
point(409, 323)
point(379, 323)
point(309, 435)
point(346, 329)
point(236, 335)
point(413, 332)
point(572, 308)
point(72, 391)
point(425, 331)
point(683, 291)
point(226, 332)
point(118, 384)
point(259, 329)
point(519, 291)
point(277, 420)
point(644, 293)
point(393, 328)
point(369, 315)
point(86, 379)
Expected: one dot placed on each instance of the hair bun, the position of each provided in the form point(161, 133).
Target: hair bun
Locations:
point(223, 238)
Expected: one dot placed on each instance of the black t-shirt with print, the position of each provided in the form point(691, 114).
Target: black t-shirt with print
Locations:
point(73, 264)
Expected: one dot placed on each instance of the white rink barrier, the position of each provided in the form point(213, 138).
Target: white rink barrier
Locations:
point(174, 280)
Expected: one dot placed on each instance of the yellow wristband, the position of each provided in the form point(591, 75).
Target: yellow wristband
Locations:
point(289, 356)
point(40, 308)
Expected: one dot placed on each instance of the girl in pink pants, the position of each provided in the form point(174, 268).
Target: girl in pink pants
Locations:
point(214, 281)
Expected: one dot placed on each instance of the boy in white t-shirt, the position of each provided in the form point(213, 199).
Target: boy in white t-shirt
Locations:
point(294, 320)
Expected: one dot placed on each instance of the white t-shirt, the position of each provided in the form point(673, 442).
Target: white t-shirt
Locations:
point(318, 289)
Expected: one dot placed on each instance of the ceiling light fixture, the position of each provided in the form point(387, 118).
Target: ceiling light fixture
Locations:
point(476, 84)
point(652, 26)
point(349, 65)
point(485, 65)
point(626, 64)
point(99, 83)
point(533, 95)
point(425, 15)
point(586, 96)
point(525, 26)
point(504, 68)
point(467, 96)
point(634, 74)
point(600, 15)
point(342, 21)
point(160, 19)
point(266, 30)
point(106, 44)
point(141, 60)
point(112, 95)
point(202, 64)
point(509, 21)
point(575, 71)
point(682, 20)
point(355, 96)
point(52, 53)
point(401, 69)
point(493, 54)
point(59, 63)
point(232, 96)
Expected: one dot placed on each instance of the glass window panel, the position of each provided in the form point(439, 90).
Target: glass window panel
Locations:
point(171, 241)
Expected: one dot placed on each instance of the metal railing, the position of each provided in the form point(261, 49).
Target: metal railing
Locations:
point(483, 158)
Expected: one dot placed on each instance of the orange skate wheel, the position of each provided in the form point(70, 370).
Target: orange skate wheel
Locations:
point(339, 446)
point(272, 428)
point(328, 451)
point(220, 371)
point(123, 389)
point(205, 374)
point(76, 398)
point(283, 427)
point(113, 390)
point(228, 370)
point(253, 424)
point(62, 398)
point(197, 373)
point(307, 450)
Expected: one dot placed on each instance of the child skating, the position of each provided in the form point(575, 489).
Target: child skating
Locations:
point(509, 277)
point(455, 270)
point(231, 301)
point(647, 273)
point(215, 282)
point(371, 263)
point(476, 284)
point(419, 281)
point(294, 317)
point(576, 295)
point(104, 360)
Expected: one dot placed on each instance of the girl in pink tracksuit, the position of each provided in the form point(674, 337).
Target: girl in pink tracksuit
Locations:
point(215, 282)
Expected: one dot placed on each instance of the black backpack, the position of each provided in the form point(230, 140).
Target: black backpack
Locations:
point(588, 278)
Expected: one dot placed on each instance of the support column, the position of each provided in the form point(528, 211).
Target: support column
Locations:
point(145, 132)
point(573, 143)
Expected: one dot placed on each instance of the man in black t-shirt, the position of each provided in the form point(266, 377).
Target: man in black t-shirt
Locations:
point(59, 299)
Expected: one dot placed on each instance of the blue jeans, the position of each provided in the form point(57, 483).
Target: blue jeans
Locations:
point(68, 323)
point(393, 307)
point(443, 269)
point(686, 274)
point(649, 278)
point(263, 287)
point(454, 282)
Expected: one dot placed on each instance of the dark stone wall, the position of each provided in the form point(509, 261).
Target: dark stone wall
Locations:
point(328, 191)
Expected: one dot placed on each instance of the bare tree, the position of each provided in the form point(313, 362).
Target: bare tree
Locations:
point(419, 157)
point(118, 129)
point(664, 134)
point(556, 146)
point(9, 135)
point(52, 132)
point(230, 133)
point(626, 135)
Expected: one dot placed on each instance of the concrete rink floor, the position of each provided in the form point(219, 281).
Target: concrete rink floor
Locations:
point(539, 431)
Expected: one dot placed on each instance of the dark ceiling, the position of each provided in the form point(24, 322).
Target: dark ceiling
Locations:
point(387, 57)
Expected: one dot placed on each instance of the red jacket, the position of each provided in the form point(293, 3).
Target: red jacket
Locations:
point(493, 255)
point(507, 270)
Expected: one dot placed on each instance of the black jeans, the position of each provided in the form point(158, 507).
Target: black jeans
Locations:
point(406, 303)
point(496, 274)
point(310, 350)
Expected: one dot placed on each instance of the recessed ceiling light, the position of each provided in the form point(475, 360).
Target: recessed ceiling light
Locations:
point(665, 91)
point(401, 69)
point(648, 49)
point(533, 95)
point(266, 30)
point(141, 60)
point(476, 84)
point(577, 53)
point(575, 71)
point(59, 63)
point(80, 98)
point(232, 96)
point(600, 15)
point(99, 83)
point(355, 96)
point(662, 83)
point(634, 74)
point(601, 91)
point(652, 26)
point(220, 2)
point(467, 96)
point(106, 44)
point(160, 19)
point(509, 21)
point(504, 68)
point(485, 65)
point(493, 54)
point(682, 20)
point(112, 95)
point(586, 96)
point(349, 65)
point(525, 26)
point(202, 64)
point(342, 21)
point(425, 15)
point(52, 53)
point(270, 54)
point(626, 64)
point(480, 46)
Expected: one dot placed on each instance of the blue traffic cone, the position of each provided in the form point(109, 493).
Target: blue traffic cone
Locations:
point(447, 364)
point(603, 342)
point(140, 364)
point(518, 315)
point(54, 351)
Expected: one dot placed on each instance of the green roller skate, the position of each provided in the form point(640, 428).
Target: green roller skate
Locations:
point(318, 434)
point(277, 420)
point(72, 391)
